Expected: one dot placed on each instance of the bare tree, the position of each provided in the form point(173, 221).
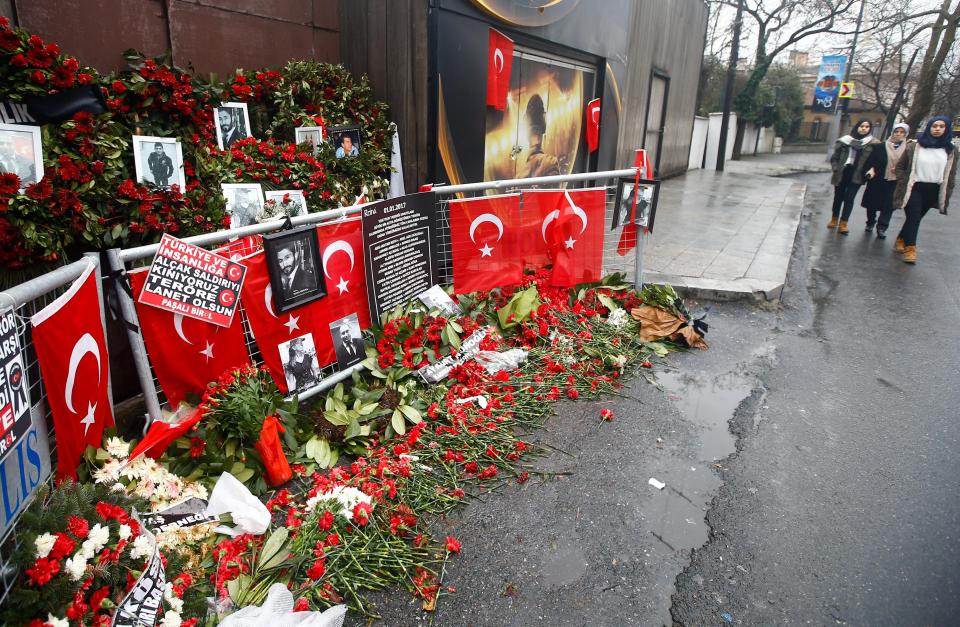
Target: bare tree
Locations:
point(942, 37)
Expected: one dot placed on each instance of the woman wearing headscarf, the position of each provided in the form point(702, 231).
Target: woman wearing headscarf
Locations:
point(849, 159)
point(925, 176)
point(882, 180)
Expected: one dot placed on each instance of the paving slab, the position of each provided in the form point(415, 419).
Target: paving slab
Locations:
point(729, 235)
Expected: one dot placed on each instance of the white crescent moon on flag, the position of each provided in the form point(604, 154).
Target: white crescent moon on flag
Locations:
point(486, 217)
point(268, 300)
point(580, 213)
point(178, 327)
point(595, 112)
point(86, 344)
point(498, 56)
point(553, 215)
point(334, 247)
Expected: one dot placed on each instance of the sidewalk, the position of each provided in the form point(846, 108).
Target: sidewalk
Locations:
point(729, 235)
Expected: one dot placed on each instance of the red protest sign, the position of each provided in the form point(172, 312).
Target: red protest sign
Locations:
point(193, 282)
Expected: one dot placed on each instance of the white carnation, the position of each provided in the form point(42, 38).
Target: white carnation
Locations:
point(142, 547)
point(175, 603)
point(99, 536)
point(53, 621)
point(125, 531)
point(345, 496)
point(171, 619)
point(45, 544)
point(117, 448)
point(109, 472)
point(617, 317)
point(76, 566)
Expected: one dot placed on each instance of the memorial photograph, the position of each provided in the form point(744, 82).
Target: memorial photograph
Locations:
point(346, 140)
point(20, 153)
point(293, 261)
point(301, 369)
point(312, 135)
point(244, 203)
point(347, 341)
point(158, 161)
point(232, 121)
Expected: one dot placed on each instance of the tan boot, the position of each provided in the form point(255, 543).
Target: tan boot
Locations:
point(910, 254)
point(832, 224)
point(843, 230)
point(898, 246)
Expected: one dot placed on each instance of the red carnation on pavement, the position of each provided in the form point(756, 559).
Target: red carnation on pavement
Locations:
point(606, 414)
point(452, 545)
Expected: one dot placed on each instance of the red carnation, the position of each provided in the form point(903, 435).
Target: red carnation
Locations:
point(302, 605)
point(9, 184)
point(43, 571)
point(452, 545)
point(78, 527)
point(606, 414)
point(326, 521)
point(40, 190)
point(317, 569)
point(361, 514)
point(38, 77)
point(62, 547)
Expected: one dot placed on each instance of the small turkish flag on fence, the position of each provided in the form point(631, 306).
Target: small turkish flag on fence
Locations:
point(487, 242)
point(499, 65)
point(593, 124)
point(569, 232)
point(72, 351)
point(186, 354)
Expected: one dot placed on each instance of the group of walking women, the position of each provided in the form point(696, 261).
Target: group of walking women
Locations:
point(915, 176)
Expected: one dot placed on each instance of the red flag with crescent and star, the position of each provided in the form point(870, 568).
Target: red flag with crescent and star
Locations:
point(567, 229)
point(341, 255)
point(186, 353)
point(486, 241)
point(72, 351)
point(271, 329)
point(593, 124)
point(499, 66)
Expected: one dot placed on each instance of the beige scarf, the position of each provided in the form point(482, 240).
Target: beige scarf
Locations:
point(893, 155)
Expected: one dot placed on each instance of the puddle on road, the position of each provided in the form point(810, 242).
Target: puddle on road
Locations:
point(709, 402)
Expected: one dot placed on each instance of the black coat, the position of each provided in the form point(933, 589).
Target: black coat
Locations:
point(879, 192)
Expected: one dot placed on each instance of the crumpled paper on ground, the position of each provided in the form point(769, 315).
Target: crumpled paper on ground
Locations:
point(277, 610)
point(494, 361)
point(657, 324)
point(248, 513)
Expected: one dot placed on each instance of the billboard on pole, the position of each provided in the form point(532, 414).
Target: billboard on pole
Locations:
point(827, 88)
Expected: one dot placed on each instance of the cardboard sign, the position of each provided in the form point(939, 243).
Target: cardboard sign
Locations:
point(14, 400)
point(439, 370)
point(193, 282)
point(25, 469)
point(399, 236)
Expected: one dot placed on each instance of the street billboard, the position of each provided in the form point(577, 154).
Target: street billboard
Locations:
point(827, 88)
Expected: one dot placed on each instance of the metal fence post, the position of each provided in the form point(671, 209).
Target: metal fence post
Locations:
point(137, 348)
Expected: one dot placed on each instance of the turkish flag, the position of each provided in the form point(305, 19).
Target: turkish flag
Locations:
point(161, 434)
point(567, 228)
point(487, 241)
point(186, 353)
point(72, 351)
point(341, 255)
point(499, 65)
point(270, 329)
point(593, 124)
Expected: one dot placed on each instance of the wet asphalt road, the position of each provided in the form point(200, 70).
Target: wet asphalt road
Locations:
point(837, 502)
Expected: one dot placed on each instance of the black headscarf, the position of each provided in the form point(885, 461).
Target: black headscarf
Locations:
point(927, 140)
point(856, 134)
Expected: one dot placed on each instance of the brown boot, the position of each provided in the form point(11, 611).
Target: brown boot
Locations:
point(832, 224)
point(843, 230)
point(910, 254)
point(898, 246)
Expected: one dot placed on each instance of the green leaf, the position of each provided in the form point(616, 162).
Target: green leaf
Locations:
point(398, 423)
point(245, 475)
point(353, 430)
point(236, 469)
point(411, 413)
point(273, 548)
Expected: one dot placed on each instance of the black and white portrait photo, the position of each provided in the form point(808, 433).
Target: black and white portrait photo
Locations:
point(300, 366)
point(436, 298)
point(20, 153)
point(347, 341)
point(288, 202)
point(159, 161)
point(346, 140)
point(646, 204)
point(244, 203)
point(232, 122)
point(312, 135)
point(293, 263)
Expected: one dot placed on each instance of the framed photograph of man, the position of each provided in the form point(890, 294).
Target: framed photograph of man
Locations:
point(21, 153)
point(244, 203)
point(293, 263)
point(301, 369)
point(295, 205)
point(232, 123)
point(159, 161)
point(347, 341)
point(346, 140)
point(647, 194)
point(313, 135)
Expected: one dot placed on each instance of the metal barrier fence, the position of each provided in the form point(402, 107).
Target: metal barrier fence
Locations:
point(30, 297)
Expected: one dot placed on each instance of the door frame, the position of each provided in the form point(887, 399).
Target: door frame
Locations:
point(661, 74)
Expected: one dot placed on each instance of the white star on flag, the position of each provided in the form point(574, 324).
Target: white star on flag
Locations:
point(292, 323)
point(90, 418)
point(208, 351)
point(485, 251)
point(342, 285)
point(570, 242)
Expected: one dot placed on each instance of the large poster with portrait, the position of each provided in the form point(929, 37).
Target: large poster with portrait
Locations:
point(539, 133)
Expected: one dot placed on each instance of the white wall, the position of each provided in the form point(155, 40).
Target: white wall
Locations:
point(749, 139)
point(766, 140)
point(713, 139)
point(698, 142)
